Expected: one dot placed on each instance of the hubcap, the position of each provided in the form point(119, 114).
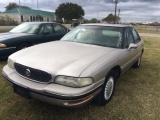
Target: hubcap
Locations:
point(109, 88)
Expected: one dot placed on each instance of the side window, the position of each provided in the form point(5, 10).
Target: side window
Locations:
point(128, 38)
point(135, 35)
point(58, 29)
point(64, 29)
point(41, 30)
point(48, 29)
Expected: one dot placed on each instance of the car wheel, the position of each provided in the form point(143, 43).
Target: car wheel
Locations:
point(22, 46)
point(137, 63)
point(107, 90)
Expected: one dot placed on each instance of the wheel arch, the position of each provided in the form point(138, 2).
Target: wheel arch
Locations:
point(117, 71)
point(23, 43)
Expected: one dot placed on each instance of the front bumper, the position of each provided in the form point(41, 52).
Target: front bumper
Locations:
point(5, 52)
point(53, 93)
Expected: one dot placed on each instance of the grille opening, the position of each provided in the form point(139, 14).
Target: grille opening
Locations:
point(35, 74)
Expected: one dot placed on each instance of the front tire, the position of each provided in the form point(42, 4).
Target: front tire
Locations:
point(107, 91)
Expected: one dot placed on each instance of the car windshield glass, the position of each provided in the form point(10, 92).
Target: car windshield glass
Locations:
point(25, 28)
point(96, 35)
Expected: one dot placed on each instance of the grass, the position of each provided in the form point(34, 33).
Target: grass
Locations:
point(136, 96)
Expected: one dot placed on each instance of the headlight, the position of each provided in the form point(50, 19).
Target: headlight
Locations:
point(10, 63)
point(2, 45)
point(73, 82)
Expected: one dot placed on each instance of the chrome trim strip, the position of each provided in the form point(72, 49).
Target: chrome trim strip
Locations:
point(67, 97)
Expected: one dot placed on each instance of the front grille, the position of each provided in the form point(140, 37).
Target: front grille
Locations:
point(31, 73)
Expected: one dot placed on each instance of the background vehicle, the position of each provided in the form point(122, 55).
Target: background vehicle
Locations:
point(28, 34)
point(83, 66)
point(74, 23)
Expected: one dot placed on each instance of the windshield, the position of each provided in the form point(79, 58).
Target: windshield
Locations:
point(96, 35)
point(25, 28)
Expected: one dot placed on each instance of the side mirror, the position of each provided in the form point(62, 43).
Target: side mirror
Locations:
point(68, 30)
point(132, 46)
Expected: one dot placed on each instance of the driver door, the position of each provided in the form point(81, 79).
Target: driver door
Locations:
point(129, 56)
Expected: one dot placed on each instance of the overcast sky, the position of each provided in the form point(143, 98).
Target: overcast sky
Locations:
point(130, 10)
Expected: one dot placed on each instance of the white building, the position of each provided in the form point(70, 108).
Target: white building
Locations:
point(27, 15)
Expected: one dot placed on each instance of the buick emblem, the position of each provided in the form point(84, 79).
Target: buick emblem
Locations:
point(28, 73)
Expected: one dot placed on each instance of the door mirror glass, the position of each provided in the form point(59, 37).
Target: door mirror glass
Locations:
point(132, 46)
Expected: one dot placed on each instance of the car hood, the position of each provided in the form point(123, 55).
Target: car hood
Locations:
point(10, 35)
point(60, 57)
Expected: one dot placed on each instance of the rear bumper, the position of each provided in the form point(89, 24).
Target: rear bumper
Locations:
point(5, 52)
point(75, 100)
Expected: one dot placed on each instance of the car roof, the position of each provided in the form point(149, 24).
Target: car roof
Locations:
point(39, 22)
point(107, 25)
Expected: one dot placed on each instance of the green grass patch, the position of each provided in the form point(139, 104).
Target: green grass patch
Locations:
point(137, 96)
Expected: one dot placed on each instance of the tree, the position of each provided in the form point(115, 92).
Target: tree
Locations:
point(93, 20)
point(26, 7)
point(69, 11)
point(14, 5)
point(11, 6)
point(86, 21)
point(111, 18)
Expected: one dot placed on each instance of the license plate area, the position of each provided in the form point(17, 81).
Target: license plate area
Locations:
point(24, 92)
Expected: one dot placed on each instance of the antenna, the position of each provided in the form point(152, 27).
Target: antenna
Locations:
point(19, 3)
point(119, 12)
point(37, 5)
point(116, 2)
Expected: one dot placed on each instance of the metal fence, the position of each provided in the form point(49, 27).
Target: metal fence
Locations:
point(151, 28)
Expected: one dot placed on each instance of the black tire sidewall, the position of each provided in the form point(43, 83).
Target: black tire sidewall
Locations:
point(136, 65)
point(100, 99)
